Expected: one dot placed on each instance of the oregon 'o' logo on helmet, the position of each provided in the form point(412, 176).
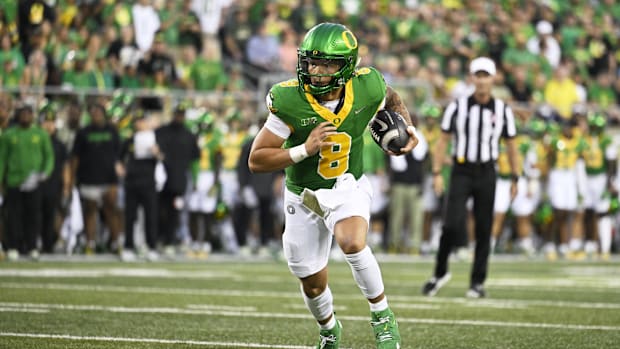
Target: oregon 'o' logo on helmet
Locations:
point(349, 39)
point(329, 41)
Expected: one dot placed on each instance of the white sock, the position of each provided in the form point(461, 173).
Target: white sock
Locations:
point(575, 244)
point(527, 244)
point(366, 272)
point(320, 306)
point(379, 306)
point(590, 247)
point(604, 233)
point(329, 324)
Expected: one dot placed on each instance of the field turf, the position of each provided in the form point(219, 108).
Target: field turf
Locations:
point(226, 303)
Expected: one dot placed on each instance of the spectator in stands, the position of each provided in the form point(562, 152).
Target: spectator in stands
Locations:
point(207, 72)
point(11, 58)
point(33, 16)
point(519, 55)
point(306, 16)
point(189, 27)
point(288, 51)
point(545, 44)
point(179, 149)
point(6, 108)
point(123, 52)
point(95, 168)
point(210, 14)
point(601, 92)
point(158, 58)
point(520, 90)
point(55, 190)
point(263, 50)
point(237, 31)
point(146, 23)
point(372, 25)
point(561, 91)
point(26, 159)
point(496, 42)
point(601, 52)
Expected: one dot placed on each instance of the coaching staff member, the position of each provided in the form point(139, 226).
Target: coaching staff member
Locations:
point(475, 123)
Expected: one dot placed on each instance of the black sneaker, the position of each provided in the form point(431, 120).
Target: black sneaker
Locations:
point(433, 285)
point(476, 291)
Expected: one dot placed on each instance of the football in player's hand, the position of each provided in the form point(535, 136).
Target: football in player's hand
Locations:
point(389, 130)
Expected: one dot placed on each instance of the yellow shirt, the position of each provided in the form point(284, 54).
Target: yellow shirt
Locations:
point(231, 149)
point(562, 95)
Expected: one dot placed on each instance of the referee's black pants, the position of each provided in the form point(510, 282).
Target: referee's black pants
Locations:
point(476, 181)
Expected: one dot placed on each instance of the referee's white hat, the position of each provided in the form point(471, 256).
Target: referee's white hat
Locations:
point(484, 64)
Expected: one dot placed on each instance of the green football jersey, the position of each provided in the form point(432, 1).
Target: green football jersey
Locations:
point(364, 95)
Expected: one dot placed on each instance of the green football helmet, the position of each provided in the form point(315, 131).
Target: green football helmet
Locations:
point(597, 122)
point(537, 127)
point(430, 110)
point(327, 41)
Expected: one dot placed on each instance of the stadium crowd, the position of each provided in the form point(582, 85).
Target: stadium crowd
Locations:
point(116, 77)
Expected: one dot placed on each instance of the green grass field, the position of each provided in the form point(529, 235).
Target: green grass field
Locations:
point(223, 303)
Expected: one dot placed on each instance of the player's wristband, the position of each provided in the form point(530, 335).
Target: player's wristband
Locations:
point(514, 178)
point(298, 153)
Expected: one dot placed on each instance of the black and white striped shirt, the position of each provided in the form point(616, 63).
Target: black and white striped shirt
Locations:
point(477, 128)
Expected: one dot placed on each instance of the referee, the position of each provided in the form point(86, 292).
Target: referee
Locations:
point(475, 123)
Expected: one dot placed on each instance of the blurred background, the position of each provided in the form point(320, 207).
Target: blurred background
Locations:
point(215, 60)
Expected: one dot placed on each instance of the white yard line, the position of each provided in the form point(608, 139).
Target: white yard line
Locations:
point(269, 315)
point(117, 272)
point(150, 340)
point(515, 303)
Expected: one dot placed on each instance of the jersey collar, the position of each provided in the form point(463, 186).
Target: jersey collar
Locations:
point(335, 119)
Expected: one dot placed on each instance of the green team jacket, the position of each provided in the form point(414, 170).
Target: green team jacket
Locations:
point(364, 95)
point(24, 151)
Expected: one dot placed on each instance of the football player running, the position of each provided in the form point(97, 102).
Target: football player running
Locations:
point(314, 131)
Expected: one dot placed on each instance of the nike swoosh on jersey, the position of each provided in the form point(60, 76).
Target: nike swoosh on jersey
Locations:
point(360, 110)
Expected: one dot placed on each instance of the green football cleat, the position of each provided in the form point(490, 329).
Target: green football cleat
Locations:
point(330, 339)
point(386, 331)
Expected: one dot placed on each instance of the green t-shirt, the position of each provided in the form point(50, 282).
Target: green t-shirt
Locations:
point(24, 151)
point(364, 94)
point(601, 95)
point(10, 9)
point(10, 78)
point(77, 79)
point(15, 56)
point(207, 75)
point(570, 35)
